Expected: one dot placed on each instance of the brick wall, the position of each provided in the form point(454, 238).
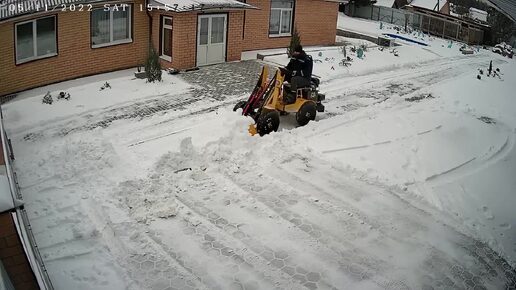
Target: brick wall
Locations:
point(234, 35)
point(184, 37)
point(446, 8)
point(184, 40)
point(75, 57)
point(184, 33)
point(13, 256)
point(316, 21)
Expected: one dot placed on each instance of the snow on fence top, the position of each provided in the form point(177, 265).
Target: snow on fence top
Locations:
point(14, 8)
point(384, 3)
point(428, 4)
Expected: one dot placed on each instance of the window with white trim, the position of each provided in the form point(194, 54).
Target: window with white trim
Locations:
point(35, 39)
point(280, 21)
point(166, 38)
point(110, 27)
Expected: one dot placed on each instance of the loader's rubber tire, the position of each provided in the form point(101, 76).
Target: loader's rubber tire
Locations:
point(267, 122)
point(239, 105)
point(306, 113)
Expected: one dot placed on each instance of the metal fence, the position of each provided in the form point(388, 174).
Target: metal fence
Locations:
point(435, 25)
point(387, 15)
point(21, 214)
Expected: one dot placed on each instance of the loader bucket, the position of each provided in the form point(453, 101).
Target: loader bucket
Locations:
point(252, 129)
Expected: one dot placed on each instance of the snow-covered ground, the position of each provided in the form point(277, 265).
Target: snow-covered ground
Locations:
point(375, 29)
point(402, 183)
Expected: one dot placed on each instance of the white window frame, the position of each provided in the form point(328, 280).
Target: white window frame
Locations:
point(281, 19)
point(34, 40)
point(116, 42)
point(163, 27)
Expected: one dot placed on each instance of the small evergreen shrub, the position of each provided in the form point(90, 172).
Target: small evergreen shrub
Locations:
point(295, 40)
point(152, 66)
point(47, 99)
point(63, 96)
point(106, 85)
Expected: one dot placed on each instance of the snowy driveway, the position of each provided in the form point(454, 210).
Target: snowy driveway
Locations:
point(182, 198)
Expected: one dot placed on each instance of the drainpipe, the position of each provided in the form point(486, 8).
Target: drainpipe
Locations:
point(150, 24)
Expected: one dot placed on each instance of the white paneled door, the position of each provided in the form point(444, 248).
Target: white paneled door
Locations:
point(211, 39)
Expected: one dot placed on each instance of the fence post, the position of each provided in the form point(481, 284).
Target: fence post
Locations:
point(444, 26)
point(458, 28)
point(392, 16)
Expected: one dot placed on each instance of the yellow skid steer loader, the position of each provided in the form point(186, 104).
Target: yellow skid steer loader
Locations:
point(270, 98)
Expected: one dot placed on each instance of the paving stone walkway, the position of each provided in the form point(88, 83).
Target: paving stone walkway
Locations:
point(226, 79)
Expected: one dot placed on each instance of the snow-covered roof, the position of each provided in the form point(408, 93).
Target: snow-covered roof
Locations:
point(190, 5)
point(385, 3)
point(6, 199)
point(428, 4)
point(14, 8)
point(507, 7)
point(477, 11)
point(6, 196)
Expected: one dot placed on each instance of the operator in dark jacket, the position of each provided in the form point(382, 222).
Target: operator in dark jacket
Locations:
point(299, 69)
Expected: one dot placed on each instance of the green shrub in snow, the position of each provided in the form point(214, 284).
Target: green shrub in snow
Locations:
point(152, 66)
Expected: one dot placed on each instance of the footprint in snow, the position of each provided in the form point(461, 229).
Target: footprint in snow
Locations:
point(487, 213)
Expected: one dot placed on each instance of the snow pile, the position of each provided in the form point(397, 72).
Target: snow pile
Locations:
point(154, 196)
point(504, 49)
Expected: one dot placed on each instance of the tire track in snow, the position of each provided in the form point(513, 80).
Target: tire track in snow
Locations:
point(488, 267)
point(148, 262)
point(476, 163)
point(262, 256)
point(351, 259)
point(435, 263)
point(250, 261)
point(439, 70)
point(400, 84)
point(381, 142)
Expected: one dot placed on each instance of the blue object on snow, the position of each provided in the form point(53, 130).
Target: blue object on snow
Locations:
point(405, 38)
point(360, 53)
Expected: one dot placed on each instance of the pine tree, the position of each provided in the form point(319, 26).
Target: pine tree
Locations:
point(295, 40)
point(152, 66)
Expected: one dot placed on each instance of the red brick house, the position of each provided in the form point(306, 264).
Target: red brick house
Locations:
point(42, 43)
